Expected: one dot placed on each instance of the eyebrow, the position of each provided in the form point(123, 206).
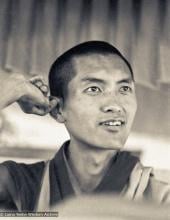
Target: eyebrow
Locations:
point(127, 80)
point(96, 80)
point(92, 79)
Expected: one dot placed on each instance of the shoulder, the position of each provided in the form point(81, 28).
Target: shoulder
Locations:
point(20, 170)
point(4, 180)
point(158, 188)
point(145, 183)
point(11, 170)
point(19, 181)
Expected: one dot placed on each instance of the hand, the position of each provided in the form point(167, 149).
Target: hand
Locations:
point(36, 99)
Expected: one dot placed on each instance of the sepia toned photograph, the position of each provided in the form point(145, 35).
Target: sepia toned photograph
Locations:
point(85, 109)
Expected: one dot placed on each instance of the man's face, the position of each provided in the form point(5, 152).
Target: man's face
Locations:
point(101, 102)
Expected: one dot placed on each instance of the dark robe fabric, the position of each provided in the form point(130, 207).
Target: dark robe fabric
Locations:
point(21, 183)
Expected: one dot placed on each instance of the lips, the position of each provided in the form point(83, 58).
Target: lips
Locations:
point(115, 123)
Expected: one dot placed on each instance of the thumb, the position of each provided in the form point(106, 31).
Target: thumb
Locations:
point(53, 102)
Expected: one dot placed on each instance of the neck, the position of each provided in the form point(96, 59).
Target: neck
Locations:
point(89, 164)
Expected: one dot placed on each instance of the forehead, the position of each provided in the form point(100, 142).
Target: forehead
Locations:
point(96, 62)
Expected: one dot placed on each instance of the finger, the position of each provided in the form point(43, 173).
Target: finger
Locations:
point(51, 98)
point(41, 85)
point(38, 83)
point(39, 111)
point(43, 110)
point(44, 89)
point(36, 78)
point(44, 103)
point(53, 103)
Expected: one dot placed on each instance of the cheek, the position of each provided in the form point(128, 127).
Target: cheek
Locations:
point(131, 113)
point(130, 105)
point(79, 109)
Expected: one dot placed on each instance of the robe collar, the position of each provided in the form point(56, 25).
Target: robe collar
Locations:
point(114, 180)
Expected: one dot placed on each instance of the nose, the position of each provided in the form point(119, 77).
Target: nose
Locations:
point(112, 107)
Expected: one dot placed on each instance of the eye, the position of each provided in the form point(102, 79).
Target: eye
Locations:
point(125, 89)
point(93, 90)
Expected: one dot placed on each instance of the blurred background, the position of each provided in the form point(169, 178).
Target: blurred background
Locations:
point(34, 32)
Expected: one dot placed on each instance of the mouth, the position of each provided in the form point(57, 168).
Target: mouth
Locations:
point(113, 123)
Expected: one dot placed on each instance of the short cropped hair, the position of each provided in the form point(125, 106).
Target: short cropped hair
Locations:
point(62, 70)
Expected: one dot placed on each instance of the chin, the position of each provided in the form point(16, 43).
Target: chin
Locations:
point(116, 145)
point(112, 146)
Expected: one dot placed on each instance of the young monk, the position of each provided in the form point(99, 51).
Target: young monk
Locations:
point(94, 89)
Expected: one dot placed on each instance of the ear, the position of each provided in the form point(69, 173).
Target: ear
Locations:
point(57, 111)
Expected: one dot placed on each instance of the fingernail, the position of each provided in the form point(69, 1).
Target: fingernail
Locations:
point(52, 98)
point(44, 88)
point(39, 83)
